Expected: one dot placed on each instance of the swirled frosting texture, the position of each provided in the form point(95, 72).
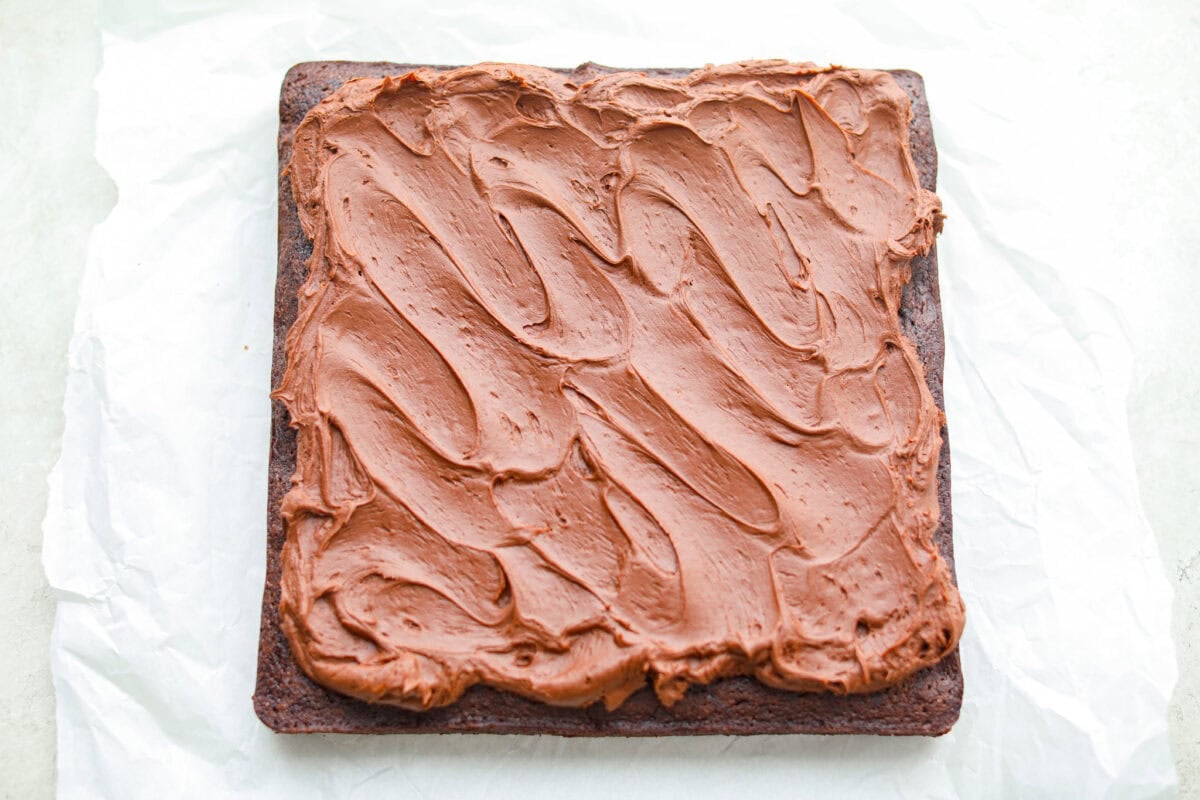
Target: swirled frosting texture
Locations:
point(599, 385)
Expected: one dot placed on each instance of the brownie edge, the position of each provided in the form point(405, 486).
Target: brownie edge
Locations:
point(927, 703)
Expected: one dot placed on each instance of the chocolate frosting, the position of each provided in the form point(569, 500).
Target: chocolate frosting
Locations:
point(603, 384)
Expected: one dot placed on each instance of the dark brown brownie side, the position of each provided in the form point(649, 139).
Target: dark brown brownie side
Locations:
point(926, 704)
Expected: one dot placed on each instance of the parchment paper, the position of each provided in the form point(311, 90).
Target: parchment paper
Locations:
point(155, 533)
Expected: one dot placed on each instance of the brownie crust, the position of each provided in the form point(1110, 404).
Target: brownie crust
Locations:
point(927, 703)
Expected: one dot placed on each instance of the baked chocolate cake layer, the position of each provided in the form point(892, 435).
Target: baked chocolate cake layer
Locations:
point(925, 703)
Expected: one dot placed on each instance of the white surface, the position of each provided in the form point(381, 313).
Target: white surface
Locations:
point(53, 193)
point(154, 537)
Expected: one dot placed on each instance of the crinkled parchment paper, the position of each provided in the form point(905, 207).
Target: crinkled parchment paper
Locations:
point(155, 529)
